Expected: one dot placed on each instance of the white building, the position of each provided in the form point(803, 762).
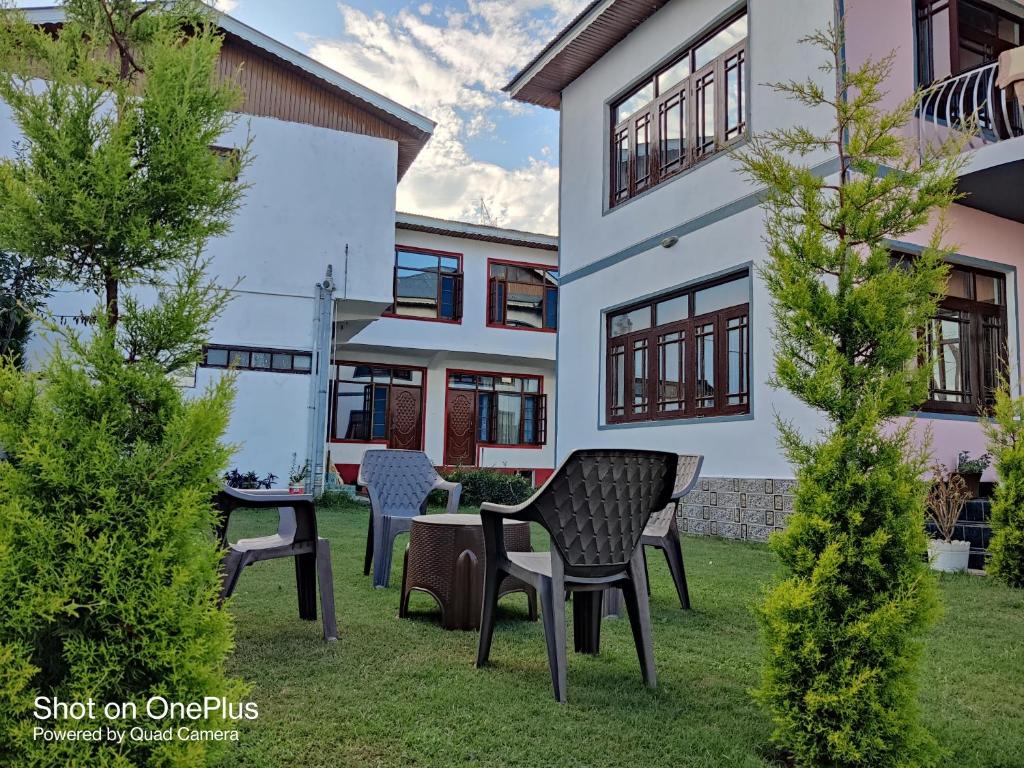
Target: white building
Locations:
point(327, 156)
point(665, 336)
point(462, 364)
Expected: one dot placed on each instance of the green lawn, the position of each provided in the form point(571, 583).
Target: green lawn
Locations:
point(397, 692)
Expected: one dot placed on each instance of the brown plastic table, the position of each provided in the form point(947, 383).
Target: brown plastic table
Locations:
point(445, 559)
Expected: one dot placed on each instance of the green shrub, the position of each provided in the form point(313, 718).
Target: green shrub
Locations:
point(480, 485)
point(1006, 443)
point(108, 566)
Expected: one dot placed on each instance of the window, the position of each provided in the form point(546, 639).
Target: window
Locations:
point(368, 404)
point(522, 296)
point(967, 341)
point(428, 285)
point(955, 36)
point(681, 355)
point(257, 359)
point(510, 410)
point(681, 114)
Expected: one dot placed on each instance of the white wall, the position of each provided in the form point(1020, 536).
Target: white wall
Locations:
point(313, 191)
point(743, 446)
point(472, 334)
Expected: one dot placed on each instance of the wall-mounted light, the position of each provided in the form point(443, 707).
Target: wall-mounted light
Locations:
point(668, 242)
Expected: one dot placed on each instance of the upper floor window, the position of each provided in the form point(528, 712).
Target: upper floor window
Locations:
point(955, 36)
point(428, 285)
point(967, 339)
point(522, 296)
point(257, 359)
point(684, 112)
point(682, 354)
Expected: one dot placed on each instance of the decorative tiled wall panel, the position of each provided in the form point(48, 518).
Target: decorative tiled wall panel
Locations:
point(737, 508)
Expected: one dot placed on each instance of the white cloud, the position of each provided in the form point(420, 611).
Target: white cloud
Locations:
point(225, 6)
point(451, 68)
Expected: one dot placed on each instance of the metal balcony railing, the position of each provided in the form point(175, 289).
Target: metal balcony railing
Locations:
point(952, 102)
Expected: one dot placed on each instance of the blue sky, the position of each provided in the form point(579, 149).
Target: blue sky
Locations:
point(446, 59)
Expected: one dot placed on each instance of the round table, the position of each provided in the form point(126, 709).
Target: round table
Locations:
point(445, 559)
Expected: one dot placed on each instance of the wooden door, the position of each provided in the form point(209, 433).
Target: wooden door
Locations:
point(405, 414)
point(460, 429)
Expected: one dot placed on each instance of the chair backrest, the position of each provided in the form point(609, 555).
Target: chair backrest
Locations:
point(296, 513)
point(596, 504)
point(401, 480)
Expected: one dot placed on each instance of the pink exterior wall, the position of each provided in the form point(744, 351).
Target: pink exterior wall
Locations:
point(876, 28)
point(978, 236)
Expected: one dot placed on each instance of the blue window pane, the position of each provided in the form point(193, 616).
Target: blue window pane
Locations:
point(484, 418)
point(529, 420)
point(448, 297)
point(380, 411)
point(551, 308)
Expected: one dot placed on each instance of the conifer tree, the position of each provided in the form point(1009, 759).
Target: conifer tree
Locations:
point(109, 568)
point(842, 630)
point(1006, 444)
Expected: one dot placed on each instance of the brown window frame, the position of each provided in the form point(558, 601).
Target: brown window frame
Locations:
point(457, 287)
point(230, 349)
point(978, 313)
point(645, 403)
point(690, 93)
point(926, 12)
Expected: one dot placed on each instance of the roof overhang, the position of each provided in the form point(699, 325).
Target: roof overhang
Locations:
point(597, 29)
point(415, 126)
point(418, 223)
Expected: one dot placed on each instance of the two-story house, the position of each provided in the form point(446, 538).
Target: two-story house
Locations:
point(665, 326)
point(461, 365)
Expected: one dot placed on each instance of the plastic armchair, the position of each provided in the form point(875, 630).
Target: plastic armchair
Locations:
point(594, 507)
point(399, 484)
point(296, 537)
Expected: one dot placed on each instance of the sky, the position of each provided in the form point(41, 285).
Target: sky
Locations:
point(447, 60)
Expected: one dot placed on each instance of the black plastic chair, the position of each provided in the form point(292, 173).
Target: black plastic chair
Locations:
point(296, 537)
point(595, 508)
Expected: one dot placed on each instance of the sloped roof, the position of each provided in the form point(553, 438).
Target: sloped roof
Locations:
point(418, 223)
point(584, 40)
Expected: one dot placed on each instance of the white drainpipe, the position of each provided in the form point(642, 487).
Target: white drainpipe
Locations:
point(323, 327)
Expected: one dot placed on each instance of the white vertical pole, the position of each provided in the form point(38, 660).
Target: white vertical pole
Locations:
point(323, 340)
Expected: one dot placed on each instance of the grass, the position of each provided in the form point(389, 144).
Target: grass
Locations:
point(397, 692)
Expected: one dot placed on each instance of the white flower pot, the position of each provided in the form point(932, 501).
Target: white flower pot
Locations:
point(949, 556)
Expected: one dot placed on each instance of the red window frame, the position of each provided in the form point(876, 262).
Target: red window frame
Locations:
point(459, 283)
point(332, 401)
point(542, 398)
point(490, 295)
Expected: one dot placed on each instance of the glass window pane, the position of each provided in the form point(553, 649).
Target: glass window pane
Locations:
point(551, 308)
point(622, 165)
point(485, 404)
point(529, 420)
point(959, 284)
point(260, 359)
point(717, 297)
point(216, 356)
point(736, 360)
point(531, 385)
point(617, 371)
point(417, 261)
point(988, 289)
point(640, 376)
point(282, 362)
point(672, 372)
point(508, 384)
point(673, 131)
point(238, 359)
point(302, 362)
point(949, 338)
point(634, 102)
point(672, 310)
point(705, 366)
point(674, 74)
point(449, 264)
point(416, 293)
point(627, 322)
point(993, 363)
point(641, 150)
point(351, 417)
point(498, 270)
point(380, 412)
point(508, 419)
point(462, 381)
point(720, 42)
point(447, 308)
point(524, 303)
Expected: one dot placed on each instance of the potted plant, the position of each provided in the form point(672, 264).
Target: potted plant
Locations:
point(297, 476)
point(970, 470)
point(946, 499)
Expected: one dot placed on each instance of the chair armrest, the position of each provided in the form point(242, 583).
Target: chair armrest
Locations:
point(501, 509)
point(454, 493)
point(260, 498)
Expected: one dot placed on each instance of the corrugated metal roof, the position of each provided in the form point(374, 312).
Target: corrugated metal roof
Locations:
point(463, 229)
point(597, 29)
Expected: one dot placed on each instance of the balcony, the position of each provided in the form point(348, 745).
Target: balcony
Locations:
point(992, 179)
